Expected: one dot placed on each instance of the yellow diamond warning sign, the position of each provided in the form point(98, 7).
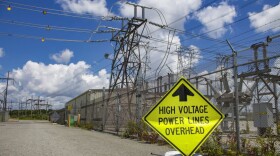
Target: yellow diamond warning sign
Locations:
point(184, 117)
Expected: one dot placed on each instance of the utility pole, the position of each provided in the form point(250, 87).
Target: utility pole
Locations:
point(236, 106)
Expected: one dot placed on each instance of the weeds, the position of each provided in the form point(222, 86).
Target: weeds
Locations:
point(140, 131)
point(213, 145)
point(267, 143)
point(87, 126)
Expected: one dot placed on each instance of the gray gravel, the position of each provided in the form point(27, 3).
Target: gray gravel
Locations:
point(34, 138)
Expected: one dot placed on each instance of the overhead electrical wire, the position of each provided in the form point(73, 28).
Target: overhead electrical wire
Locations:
point(237, 21)
point(250, 30)
point(205, 37)
point(256, 34)
point(64, 11)
point(160, 14)
point(76, 29)
point(167, 41)
point(250, 41)
point(223, 15)
point(165, 56)
point(89, 30)
point(46, 27)
point(43, 39)
point(186, 15)
point(243, 19)
point(42, 8)
point(200, 35)
point(49, 10)
point(175, 53)
point(245, 40)
point(36, 7)
point(151, 76)
point(17, 35)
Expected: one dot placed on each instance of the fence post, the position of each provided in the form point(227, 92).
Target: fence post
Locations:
point(236, 106)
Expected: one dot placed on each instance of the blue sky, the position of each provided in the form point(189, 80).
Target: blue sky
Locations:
point(60, 70)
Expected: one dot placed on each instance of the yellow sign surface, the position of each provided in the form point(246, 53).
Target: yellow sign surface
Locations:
point(184, 117)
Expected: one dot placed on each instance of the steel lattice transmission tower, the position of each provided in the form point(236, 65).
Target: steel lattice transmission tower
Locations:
point(181, 65)
point(126, 63)
point(186, 57)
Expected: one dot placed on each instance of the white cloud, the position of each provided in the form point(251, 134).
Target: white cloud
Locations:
point(2, 53)
point(57, 82)
point(63, 57)
point(94, 7)
point(268, 19)
point(212, 18)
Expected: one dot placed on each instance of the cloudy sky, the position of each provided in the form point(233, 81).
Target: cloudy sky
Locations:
point(44, 44)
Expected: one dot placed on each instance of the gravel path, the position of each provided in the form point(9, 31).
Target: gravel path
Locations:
point(34, 138)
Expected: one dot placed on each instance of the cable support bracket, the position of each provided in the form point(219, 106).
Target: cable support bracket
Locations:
point(114, 18)
point(158, 25)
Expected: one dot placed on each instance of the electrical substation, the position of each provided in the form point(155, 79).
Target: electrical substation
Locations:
point(243, 82)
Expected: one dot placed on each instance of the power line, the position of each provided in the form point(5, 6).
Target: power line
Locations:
point(43, 39)
point(239, 20)
point(238, 35)
point(202, 35)
point(52, 27)
point(47, 27)
point(73, 30)
point(245, 40)
point(223, 15)
point(250, 30)
point(49, 10)
point(177, 20)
